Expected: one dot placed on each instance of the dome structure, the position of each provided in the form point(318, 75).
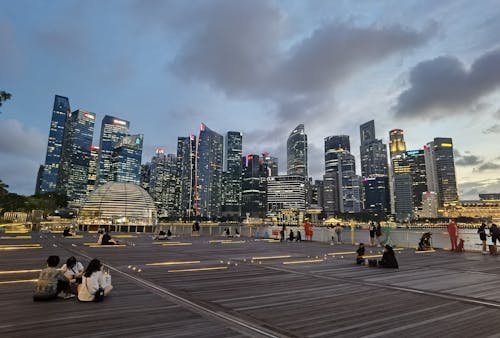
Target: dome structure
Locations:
point(118, 203)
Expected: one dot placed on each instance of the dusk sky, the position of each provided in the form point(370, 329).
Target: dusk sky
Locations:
point(431, 68)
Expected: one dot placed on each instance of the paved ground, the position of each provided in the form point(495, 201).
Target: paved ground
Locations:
point(252, 288)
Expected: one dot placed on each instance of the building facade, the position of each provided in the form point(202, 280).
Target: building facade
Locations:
point(377, 199)
point(373, 152)
point(286, 192)
point(397, 144)
point(232, 176)
point(92, 173)
point(163, 183)
point(254, 187)
point(186, 173)
point(296, 151)
point(126, 159)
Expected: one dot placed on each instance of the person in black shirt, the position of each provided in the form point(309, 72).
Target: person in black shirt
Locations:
point(388, 258)
point(360, 252)
point(482, 236)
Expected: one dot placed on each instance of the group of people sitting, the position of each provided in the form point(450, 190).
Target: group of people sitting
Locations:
point(90, 284)
point(162, 235)
point(388, 258)
point(105, 239)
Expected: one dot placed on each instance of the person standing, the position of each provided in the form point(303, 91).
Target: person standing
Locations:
point(338, 232)
point(371, 228)
point(378, 233)
point(482, 236)
point(308, 230)
point(495, 235)
point(453, 232)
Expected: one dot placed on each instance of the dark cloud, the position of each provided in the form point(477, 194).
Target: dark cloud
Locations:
point(445, 86)
point(471, 190)
point(469, 160)
point(488, 166)
point(16, 139)
point(494, 129)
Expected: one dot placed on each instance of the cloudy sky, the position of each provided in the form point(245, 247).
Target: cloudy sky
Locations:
point(431, 68)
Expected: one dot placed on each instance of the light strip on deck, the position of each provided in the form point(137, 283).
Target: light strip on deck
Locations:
point(371, 256)
point(233, 242)
point(124, 236)
point(19, 281)
point(200, 269)
point(18, 245)
point(107, 246)
point(73, 236)
point(19, 248)
point(176, 244)
point(271, 257)
point(173, 263)
point(15, 237)
point(220, 240)
point(304, 261)
point(425, 251)
point(160, 243)
point(341, 253)
point(18, 271)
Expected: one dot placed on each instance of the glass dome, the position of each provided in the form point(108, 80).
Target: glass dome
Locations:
point(118, 203)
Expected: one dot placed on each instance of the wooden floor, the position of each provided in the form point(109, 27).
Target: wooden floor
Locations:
point(253, 288)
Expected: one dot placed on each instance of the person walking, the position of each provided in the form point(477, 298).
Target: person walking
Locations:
point(308, 230)
point(453, 232)
point(482, 236)
point(371, 228)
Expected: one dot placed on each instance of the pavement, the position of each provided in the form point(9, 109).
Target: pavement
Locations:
point(244, 287)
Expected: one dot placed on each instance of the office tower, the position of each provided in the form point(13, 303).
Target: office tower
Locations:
point(39, 178)
point(145, 176)
point(373, 153)
point(349, 184)
point(331, 193)
point(317, 193)
point(397, 143)
point(93, 163)
point(163, 183)
point(440, 169)
point(271, 164)
point(112, 131)
point(75, 156)
point(296, 151)
point(186, 172)
point(232, 176)
point(126, 159)
point(332, 145)
point(60, 112)
point(286, 192)
point(412, 162)
point(430, 205)
point(254, 184)
point(209, 161)
point(377, 199)
point(403, 196)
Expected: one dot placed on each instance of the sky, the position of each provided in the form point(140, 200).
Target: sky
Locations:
point(260, 67)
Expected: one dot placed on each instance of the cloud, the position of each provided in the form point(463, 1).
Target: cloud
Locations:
point(444, 86)
point(16, 139)
point(469, 160)
point(470, 190)
point(488, 166)
point(494, 129)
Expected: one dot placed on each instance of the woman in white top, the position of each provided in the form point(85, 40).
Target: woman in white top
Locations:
point(73, 270)
point(94, 279)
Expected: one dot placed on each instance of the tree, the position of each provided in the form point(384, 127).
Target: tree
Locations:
point(4, 96)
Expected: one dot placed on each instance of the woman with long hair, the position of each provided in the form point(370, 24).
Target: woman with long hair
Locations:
point(94, 283)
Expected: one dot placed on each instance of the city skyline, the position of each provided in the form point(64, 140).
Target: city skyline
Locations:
point(431, 75)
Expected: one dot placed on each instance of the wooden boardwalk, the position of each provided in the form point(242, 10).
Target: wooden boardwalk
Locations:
point(198, 287)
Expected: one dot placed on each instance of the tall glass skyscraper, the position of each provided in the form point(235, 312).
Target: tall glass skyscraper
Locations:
point(75, 157)
point(209, 164)
point(60, 113)
point(93, 163)
point(296, 150)
point(373, 153)
point(186, 172)
point(440, 168)
point(254, 184)
point(334, 144)
point(232, 176)
point(397, 143)
point(163, 183)
point(126, 159)
point(112, 131)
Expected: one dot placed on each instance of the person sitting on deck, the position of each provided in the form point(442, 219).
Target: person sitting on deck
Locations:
point(107, 240)
point(96, 284)
point(169, 234)
point(73, 270)
point(51, 282)
point(388, 259)
point(236, 233)
point(425, 242)
point(298, 238)
point(66, 232)
point(161, 235)
point(360, 252)
point(291, 236)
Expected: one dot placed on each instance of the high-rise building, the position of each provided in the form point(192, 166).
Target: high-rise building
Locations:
point(332, 145)
point(397, 144)
point(349, 184)
point(271, 164)
point(373, 152)
point(186, 172)
point(75, 156)
point(209, 161)
point(254, 184)
point(403, 196)
point(145, 176)
point(163, 183)
point(412, 162)
point(286, 192)
point(112, 131)
point(331, 193)
point(440, 168)
point(39, 178)
point(60, 113)
point(126, 159)
point(377, 195)
point(317, 193)
point(93, 163)
point(296, 146)
point(232, 176)
point(430, 205)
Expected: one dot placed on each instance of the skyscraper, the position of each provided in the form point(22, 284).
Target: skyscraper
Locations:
point(126, 159)
point(254, 183)
point(377, 195)
point(75, 156)
point(440, 168)
point(112, 131)
point(39, 177)
point(296, 147)
point(209, 161)
point(186, 172)
point(60, 113)
point(397, 143)
point(373, 153)
point(349, 184)
point(332, 145)
point(163, 184)
point(232, 176)
point(271, 164)
point(93, 163)
point(286, 192)
point(403, 196)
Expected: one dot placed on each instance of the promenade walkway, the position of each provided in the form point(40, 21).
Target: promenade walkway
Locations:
point(206, 287)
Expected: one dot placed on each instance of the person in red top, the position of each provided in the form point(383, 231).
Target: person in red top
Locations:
point(308, 230)
point(453, 232)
